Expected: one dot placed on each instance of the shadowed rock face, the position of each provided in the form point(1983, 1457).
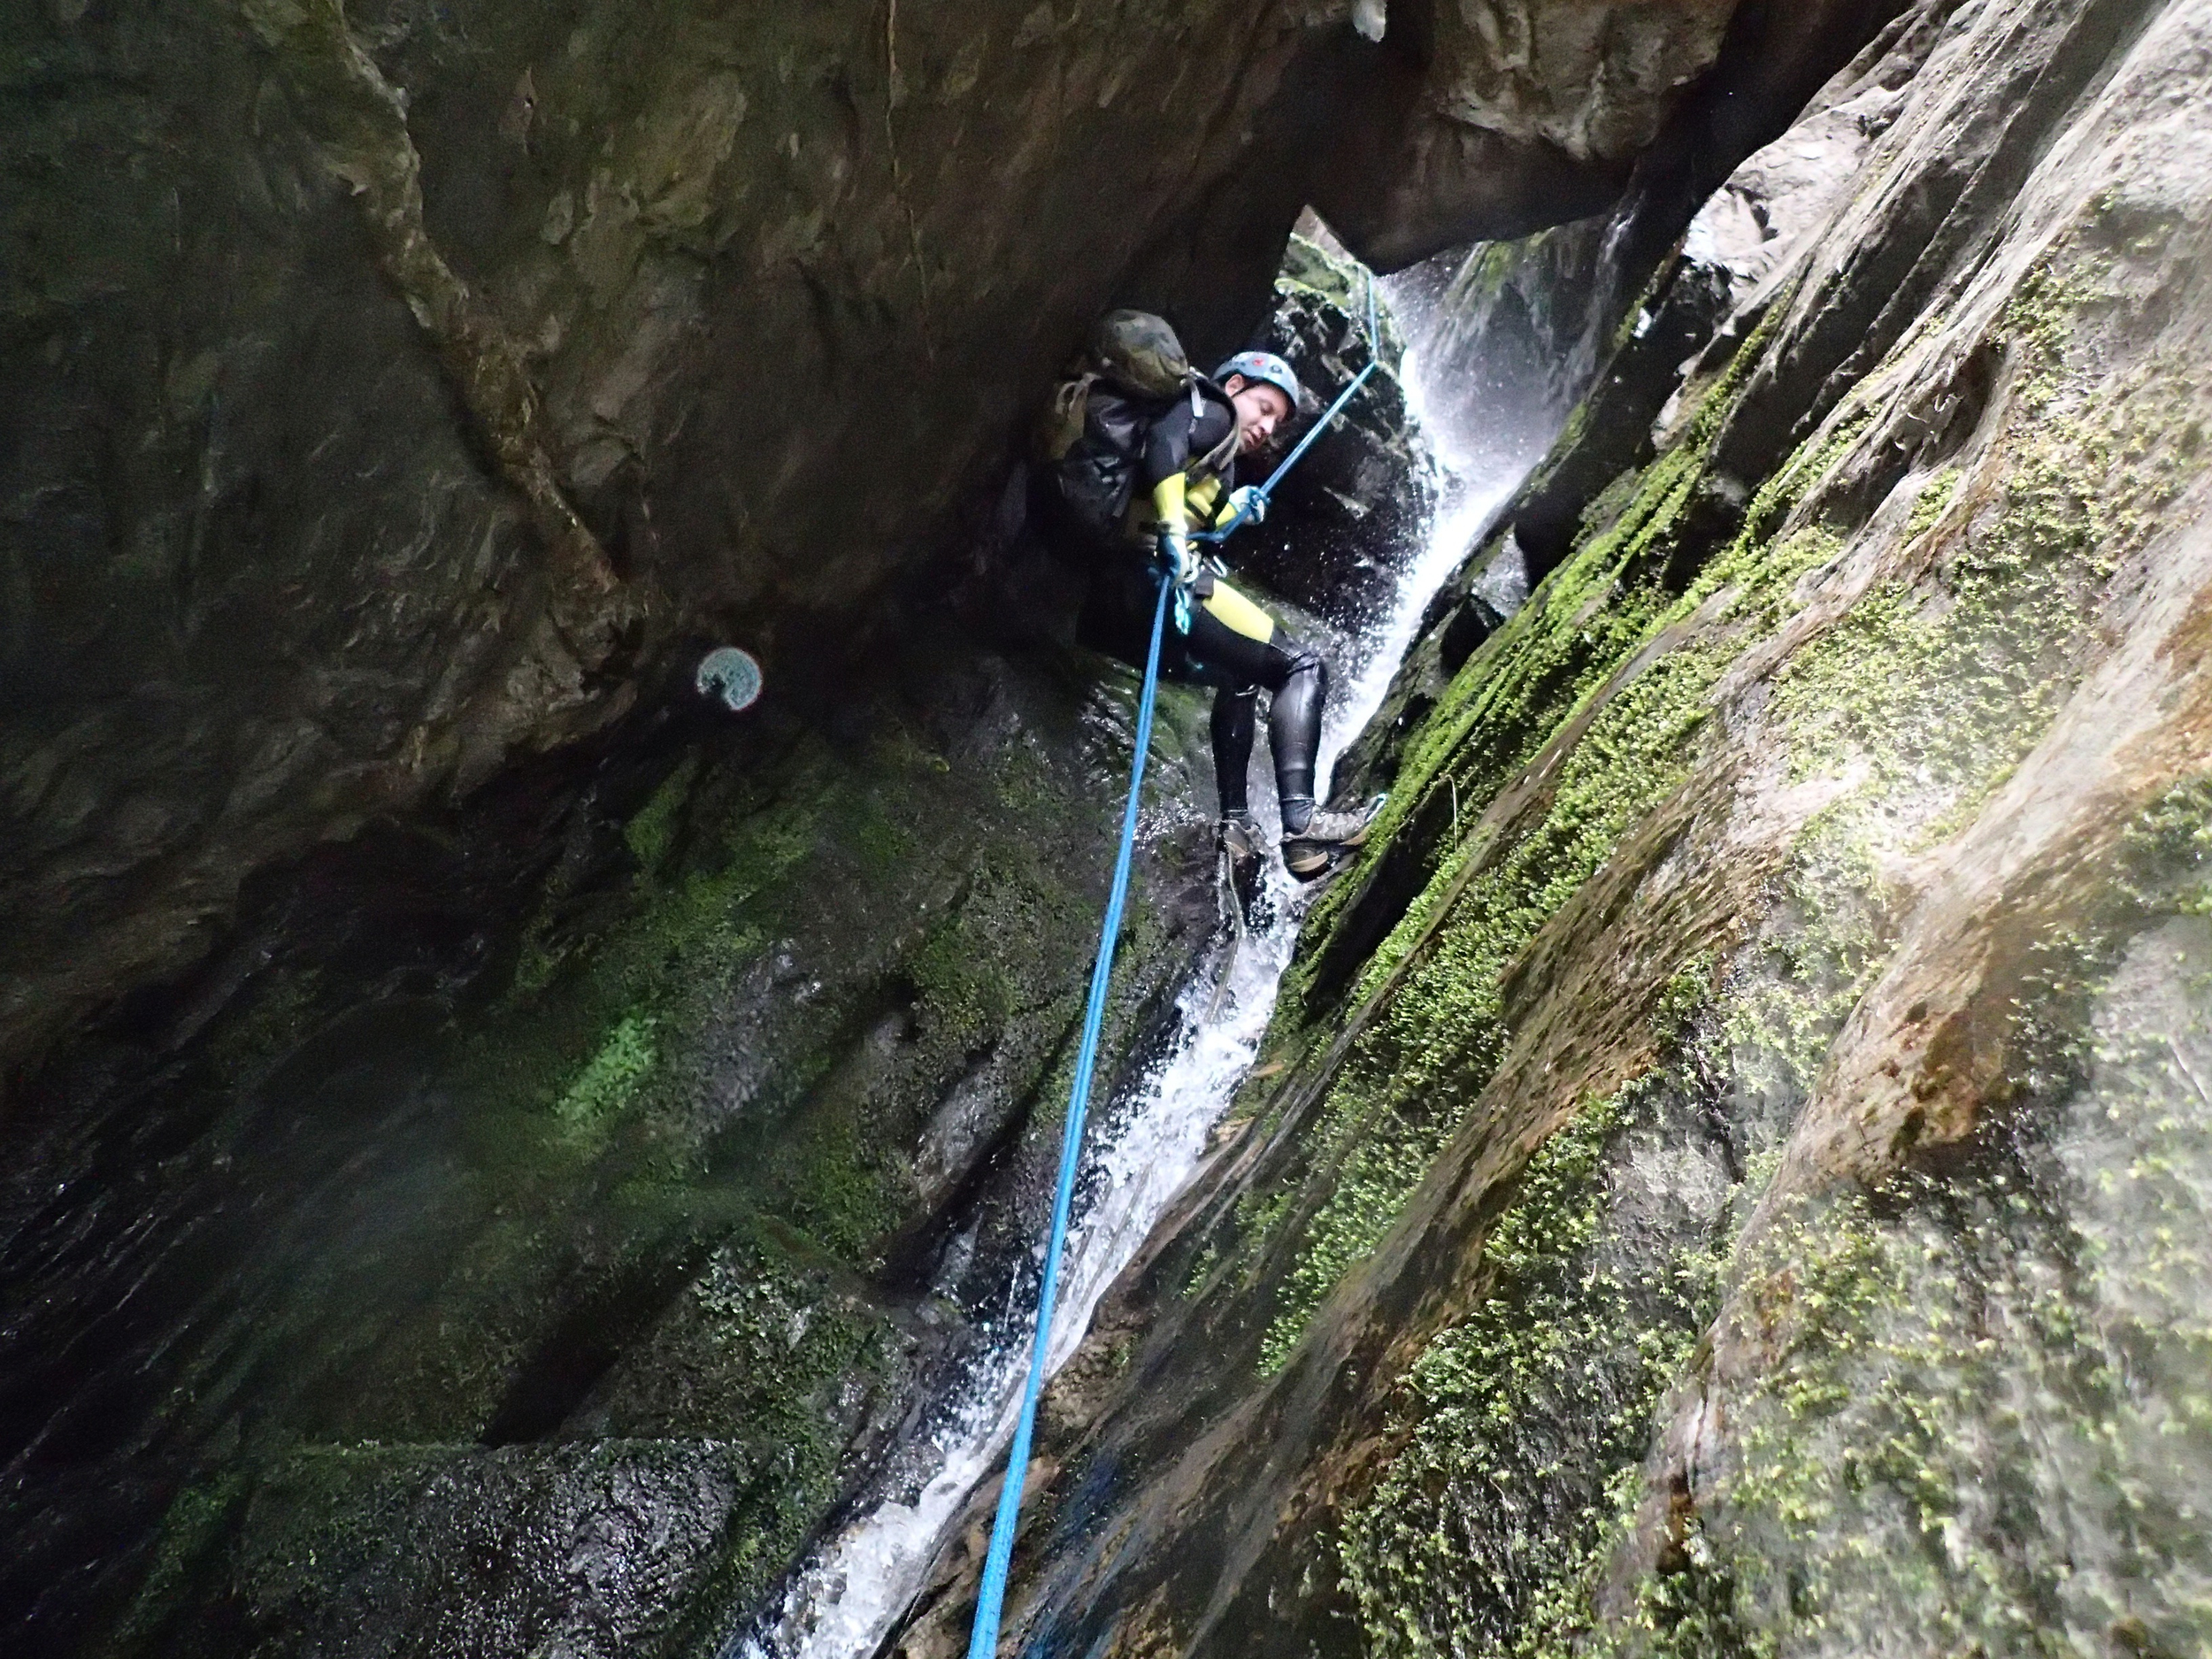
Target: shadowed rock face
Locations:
point(1732, 1177)
point(533, 1221)
point(392, 388)
point(1520, 117)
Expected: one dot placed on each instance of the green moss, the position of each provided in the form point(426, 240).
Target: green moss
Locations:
point(2166, 854)
point(1927, 696)
point(1825, 939)
point(1868, 1450)
point(650, 832)
point(1928, 506)
point(609, 1080)
point(1940, 685)
point(1684, 996)
point(1408, 1080)
point(1856, 1494)
point(1530, 678)
point(1402, 1091)
point(1907, 714)
point(195, 1531)
point(1542, 1396)
point(794, 1353)
point(964, 992)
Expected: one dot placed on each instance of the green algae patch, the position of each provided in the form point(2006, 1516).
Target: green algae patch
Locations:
point(1519, 1431)
point(607, 1082)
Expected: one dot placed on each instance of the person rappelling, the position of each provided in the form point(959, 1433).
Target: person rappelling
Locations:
point(1142, 456)
point(1138, 413)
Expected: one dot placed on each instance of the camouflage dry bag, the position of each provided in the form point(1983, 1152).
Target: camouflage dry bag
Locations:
point(1135, 354)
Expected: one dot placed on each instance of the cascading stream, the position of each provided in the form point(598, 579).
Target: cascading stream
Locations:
point(1145, 1145)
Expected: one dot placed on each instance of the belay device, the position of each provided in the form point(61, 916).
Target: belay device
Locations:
point(991, 1595)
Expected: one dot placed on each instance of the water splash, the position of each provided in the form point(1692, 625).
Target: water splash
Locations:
point(850, 1595)
point(847, 1599)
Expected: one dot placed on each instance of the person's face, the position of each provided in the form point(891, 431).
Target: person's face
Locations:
point(1261, 409)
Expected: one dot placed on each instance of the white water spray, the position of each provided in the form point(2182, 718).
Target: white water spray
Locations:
point(849, 1596)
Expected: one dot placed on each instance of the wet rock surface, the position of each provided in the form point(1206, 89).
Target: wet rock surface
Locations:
point(549, 1285)
point(1360, 498)
point(501, 1154)
point(1726, 1172)
point(395, 390)
point(532, 1222)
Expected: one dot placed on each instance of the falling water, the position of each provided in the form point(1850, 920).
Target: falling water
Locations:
point(848, 1597)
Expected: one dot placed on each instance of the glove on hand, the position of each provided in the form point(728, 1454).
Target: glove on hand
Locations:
point(1179, 557)
point(1248, 502)
point(1182, 565)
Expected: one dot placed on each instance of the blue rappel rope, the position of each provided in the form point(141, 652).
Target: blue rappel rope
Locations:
point(983, 1644)
point(991, 1593)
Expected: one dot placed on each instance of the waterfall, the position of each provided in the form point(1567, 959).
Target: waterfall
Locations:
point(849, 1595)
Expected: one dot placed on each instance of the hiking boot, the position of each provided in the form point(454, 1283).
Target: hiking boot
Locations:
point(1241, 838)
point(1241, 843)
point(1327, 836)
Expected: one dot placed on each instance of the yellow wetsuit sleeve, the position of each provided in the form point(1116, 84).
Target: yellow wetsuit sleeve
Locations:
point(1204, 501)
point(1171, 503)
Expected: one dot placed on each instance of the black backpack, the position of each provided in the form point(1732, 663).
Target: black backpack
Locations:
point(1092, 432)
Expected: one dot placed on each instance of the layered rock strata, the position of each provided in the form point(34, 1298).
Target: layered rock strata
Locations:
point(411, 1276)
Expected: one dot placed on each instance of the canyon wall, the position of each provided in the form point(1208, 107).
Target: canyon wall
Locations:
point(501, 1150)
point(395, 391)
point(1729, 1174)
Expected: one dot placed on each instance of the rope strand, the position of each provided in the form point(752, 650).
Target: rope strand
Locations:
point(991, 1596)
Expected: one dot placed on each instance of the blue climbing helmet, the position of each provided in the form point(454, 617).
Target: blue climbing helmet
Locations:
point(1264, 366)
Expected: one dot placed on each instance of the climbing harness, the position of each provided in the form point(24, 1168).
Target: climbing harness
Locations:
point(991, 1593)
point(983, 1644)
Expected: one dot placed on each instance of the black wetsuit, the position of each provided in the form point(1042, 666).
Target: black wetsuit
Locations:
point(1232, 644)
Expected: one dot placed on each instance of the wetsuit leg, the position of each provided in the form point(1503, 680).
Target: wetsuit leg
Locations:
point(1293, 732)
point(1235, 719)
point(1234, 639)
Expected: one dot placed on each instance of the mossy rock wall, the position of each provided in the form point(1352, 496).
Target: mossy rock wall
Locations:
point(395, 387)
point(536, 1225)
point(1727, 1170)
point(638, 1244)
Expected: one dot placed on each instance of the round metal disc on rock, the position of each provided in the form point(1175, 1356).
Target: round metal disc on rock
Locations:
point(731, 677)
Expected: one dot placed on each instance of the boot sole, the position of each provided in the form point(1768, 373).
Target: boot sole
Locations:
point(1310, 860)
